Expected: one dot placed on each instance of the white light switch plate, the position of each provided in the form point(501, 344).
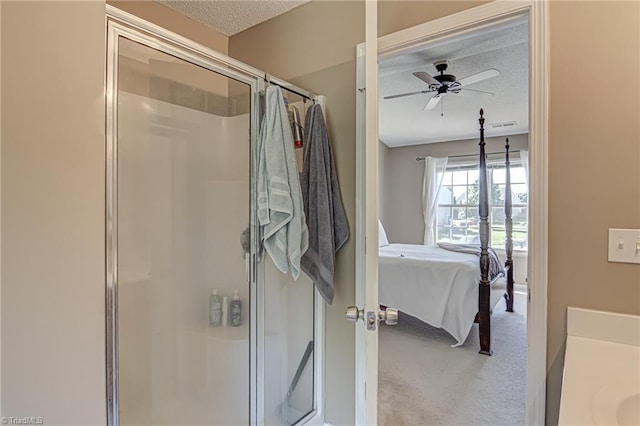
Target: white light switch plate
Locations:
point(624, 245)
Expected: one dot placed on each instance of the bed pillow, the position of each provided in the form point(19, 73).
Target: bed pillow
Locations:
point(382, 236)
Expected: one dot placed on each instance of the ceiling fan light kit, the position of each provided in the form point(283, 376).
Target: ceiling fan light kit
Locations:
point(444, 79)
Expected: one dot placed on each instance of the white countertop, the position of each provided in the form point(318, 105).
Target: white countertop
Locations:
point(601, 382)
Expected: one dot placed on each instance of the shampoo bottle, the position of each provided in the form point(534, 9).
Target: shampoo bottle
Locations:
point(225, 311)
point(215, 308)
point(235, 310)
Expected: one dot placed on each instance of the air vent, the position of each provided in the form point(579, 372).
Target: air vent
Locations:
point(503, 124)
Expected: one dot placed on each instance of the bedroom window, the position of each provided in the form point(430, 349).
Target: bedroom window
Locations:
point(458, 218)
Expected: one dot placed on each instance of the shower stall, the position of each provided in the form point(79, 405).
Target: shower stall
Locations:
point(182, 135)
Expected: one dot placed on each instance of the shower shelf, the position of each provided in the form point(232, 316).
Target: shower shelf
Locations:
point(230, 333)
point(225, 333)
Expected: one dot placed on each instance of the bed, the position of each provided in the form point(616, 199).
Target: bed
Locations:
point(448, 289)
point(437, 286)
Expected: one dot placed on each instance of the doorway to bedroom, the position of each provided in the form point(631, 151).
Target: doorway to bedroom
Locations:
point(430, 206)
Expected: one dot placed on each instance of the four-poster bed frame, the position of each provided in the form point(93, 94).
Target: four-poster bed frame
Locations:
point(484, 286)
point(438, 286)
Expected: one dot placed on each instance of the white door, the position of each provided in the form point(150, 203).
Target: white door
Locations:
point(367, 314)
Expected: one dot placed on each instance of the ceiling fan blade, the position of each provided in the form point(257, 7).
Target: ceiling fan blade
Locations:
point(465, 89)
point(408, 94)
point(427, 78)
point(433, 102)
point(483, 75)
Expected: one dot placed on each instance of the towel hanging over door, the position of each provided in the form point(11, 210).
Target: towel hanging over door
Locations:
point(326, 219)
point(280, 212)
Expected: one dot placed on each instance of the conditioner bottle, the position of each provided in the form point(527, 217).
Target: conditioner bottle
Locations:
point(215, 308)
point(235, 310)
point(225, 311)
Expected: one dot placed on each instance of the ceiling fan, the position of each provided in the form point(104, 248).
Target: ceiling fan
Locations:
point(445, 84)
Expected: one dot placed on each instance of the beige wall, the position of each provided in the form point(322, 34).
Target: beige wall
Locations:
point(403, 183)
point(594, 165)
point(53, 350)
point(383, 180)
point(395, 15)
point(165, 17)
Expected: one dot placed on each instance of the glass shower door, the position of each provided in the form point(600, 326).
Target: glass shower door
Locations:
point(290, 340)
point(182, 240)
point(180, 204)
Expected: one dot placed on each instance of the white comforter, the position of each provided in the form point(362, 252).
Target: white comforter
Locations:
point(437, 286)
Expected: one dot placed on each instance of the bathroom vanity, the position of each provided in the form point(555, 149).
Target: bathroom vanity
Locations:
point(601, 382)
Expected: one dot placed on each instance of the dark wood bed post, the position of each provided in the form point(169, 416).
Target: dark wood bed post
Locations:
point(484, 286)
point(508, 225)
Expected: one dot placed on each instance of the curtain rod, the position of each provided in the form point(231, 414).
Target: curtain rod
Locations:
point(289, 87)
point(470, 155)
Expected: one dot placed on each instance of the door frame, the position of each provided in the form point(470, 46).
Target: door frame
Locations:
point(413, 38)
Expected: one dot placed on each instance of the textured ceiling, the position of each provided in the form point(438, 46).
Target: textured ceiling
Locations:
point(403, 120)
point(231, 16)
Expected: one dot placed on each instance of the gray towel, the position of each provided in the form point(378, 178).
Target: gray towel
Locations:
point(280, 213)
point(326, 219)
point(495, 266)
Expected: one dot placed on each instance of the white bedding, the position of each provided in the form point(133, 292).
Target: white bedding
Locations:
point(437, 286)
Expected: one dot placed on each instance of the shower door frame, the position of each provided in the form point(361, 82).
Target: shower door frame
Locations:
point(122, 24)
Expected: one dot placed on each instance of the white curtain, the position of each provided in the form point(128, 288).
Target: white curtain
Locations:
point(489, 185)
point(524, 159)
point(434, 169)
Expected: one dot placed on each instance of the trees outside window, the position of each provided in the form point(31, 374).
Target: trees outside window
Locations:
point(458, 217)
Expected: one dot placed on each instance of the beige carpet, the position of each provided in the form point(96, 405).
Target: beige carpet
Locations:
point(423, 381)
